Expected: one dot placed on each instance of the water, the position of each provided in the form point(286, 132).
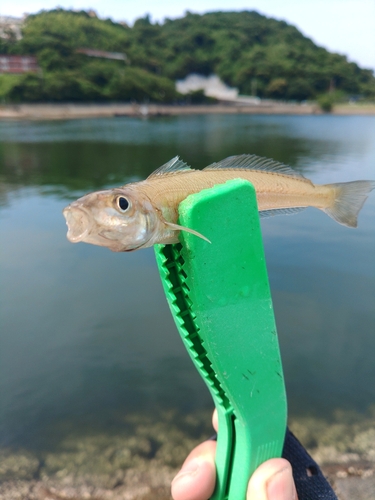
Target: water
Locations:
point(86, 334)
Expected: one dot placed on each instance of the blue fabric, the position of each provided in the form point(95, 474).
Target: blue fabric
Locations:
point(309, 479)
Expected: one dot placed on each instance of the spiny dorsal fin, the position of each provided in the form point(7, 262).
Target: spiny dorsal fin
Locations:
point(171, 167)
point(253, 162)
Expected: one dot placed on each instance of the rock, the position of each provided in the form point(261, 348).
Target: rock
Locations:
point(357, 488)
point(18, 465)
point(138, 459)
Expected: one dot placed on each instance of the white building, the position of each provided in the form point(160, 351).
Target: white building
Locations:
point(214, 87)
point(211, 85)
point(9, 24)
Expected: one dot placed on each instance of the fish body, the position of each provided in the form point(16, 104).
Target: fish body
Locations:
point(140, 214)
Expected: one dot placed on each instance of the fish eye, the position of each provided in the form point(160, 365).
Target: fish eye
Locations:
point(123, 203)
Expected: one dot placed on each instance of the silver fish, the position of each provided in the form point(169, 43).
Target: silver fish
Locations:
point(140, 214)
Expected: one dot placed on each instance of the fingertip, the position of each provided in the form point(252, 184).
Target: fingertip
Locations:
point(273, 480)
point(198, 483)
point(215, 420)
point(196, 480)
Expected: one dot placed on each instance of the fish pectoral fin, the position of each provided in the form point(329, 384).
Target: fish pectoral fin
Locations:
point(176, 227)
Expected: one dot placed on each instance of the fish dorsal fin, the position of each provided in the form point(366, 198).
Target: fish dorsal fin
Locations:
point(171, 167)
point(253, 162)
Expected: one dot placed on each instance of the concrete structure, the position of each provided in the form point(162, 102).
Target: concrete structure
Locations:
point(211, 85)
point(214, 87)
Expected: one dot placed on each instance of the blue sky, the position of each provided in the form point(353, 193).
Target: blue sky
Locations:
point(344, 26)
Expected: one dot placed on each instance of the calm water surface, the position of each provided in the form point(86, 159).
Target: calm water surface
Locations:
point(85, 331)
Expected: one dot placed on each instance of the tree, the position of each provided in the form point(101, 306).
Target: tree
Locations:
point(240, 47)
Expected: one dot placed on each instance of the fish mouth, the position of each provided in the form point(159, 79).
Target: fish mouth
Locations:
point(78, 222)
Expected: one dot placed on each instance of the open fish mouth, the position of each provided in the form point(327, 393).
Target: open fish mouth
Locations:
point(78, 223)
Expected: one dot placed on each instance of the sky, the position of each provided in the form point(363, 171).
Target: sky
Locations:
point(343, 26)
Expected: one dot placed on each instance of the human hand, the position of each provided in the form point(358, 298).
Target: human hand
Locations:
point(272, 480)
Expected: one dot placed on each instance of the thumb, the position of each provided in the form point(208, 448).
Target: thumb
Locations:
point(273, 480)
point(196, 479)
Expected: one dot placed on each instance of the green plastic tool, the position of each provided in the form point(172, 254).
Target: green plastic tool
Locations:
point(219, 297)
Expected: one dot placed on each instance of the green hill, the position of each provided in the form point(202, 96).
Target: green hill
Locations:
point(247, 50)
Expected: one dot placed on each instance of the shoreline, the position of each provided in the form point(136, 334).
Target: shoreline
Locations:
point(71, 111)
point(149, 480)
point(352, 481)
point(138, 459)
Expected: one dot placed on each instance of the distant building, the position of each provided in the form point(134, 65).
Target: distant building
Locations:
point(211, 85)
point(18, 64)
point(101, 53)
point(92, 13)
point(11, 26)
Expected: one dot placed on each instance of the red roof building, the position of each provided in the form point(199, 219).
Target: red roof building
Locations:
point(18, 64)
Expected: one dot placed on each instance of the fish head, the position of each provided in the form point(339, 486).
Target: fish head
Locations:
point(120, 219)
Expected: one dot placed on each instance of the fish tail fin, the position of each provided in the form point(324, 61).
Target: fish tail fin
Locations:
point(349, 199)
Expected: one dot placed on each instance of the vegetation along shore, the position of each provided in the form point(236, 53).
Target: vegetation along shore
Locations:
point(77, 57)
point(80, 111)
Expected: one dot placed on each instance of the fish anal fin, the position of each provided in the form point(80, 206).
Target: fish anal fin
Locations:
point(176, 227)
point(280, 211)
point(253, 162)
point(171, 167)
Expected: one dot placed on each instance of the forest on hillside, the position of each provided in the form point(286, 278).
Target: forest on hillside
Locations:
point(258, 55)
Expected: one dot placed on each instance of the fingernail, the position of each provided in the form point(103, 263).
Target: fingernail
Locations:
point(190, 468)
point(281, 486)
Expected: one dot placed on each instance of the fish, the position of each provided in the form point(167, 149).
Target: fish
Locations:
point(141, 214)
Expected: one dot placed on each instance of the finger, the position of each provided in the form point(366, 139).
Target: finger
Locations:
point(215, 420)
point(196, 480)
point(273, 480)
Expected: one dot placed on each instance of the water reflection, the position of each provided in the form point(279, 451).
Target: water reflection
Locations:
point(84, 154)
point(86, 331)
